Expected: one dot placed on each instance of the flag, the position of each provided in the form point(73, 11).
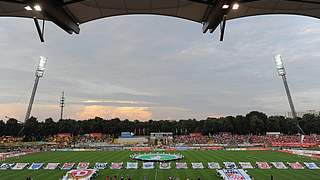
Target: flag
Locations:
point(148, 165)
point(263, 165)
point(165, 165)
point(35, 166)
point(51, 166)
point(197, 165)
point(213, 165)
point(99, 165)
point(245, 165)
point(132, 165)
point(230, 165)
point(279, 165)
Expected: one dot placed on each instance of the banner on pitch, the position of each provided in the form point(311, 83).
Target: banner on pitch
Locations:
point(99, 165)
point(6, 166)
point(279, 165)
point(181, 165)
point(116, 165)
point(20, 166)
point(234, 174)
point(296, 165)
point(197, 165)
point(132, 165)
point(51, 166)
point(35, 166)
point(67, 166)
point(263, 165)
point(230, 165)
point(245, 165)
point(213, 165)
point(83, 165)
point(80, 174)
point(148, 165)
point(165, 165)
point(311, 165)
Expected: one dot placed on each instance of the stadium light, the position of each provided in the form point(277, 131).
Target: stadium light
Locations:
point(28, 8)
point(279, 65)
point(235, 6)
point(39, 73)
point(282, 73)
point(37, 7)
point(41, 66)
point(225, 6)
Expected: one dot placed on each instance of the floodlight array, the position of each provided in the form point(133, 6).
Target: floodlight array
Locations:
point(279, 65)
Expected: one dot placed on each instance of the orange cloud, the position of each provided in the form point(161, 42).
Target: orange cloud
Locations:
point(132, 113)
point(13, 110)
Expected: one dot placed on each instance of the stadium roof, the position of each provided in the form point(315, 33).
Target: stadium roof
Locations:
point(69, 14)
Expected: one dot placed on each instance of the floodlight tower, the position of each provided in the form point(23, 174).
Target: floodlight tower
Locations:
point(61, 105)
point(39, 74)
point(282, 72)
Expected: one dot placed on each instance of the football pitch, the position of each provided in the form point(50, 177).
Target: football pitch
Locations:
point(139, 174)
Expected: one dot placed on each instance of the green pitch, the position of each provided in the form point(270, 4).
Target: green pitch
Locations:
point(189, 156)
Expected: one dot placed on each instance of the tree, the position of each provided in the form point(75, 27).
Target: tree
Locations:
point(2, 128)
point(31, 129)
point(12, 127)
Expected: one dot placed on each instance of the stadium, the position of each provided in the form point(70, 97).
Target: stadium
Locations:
point(144, 104)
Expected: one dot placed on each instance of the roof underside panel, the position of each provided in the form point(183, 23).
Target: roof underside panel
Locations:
point(262, 7)
point(88, 10)
point(11, 9)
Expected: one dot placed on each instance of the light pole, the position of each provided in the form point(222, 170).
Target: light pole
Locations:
point(61, 105)
point(282, 72)
point(39, 74)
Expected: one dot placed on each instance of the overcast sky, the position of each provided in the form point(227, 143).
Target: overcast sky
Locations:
point(154, 67)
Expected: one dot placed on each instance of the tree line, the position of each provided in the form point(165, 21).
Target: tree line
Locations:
point(256, 123)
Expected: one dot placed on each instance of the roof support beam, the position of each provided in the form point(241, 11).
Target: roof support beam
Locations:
point(54, 11)
point(215, 15)
point(40, 32)
point(72, 1)
point(223, 27)
point(208, 2)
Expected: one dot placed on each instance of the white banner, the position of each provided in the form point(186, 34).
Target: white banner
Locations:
point(214, 165)
point(311, 165)
point(51, 166)
point(295, 165)
point(99, 165)
point(165, 165)
point(245, 165)
point(67, 166)
point(197, 165)
point(279, 165)
point(20, 166)
point(230, 165)
point(132, 165)
point(263, 165)
point(83, 165)
point(181, 165)
point(116, 165)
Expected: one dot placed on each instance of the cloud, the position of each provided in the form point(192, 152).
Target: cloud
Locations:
point(108, 112)
point(114, 101)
